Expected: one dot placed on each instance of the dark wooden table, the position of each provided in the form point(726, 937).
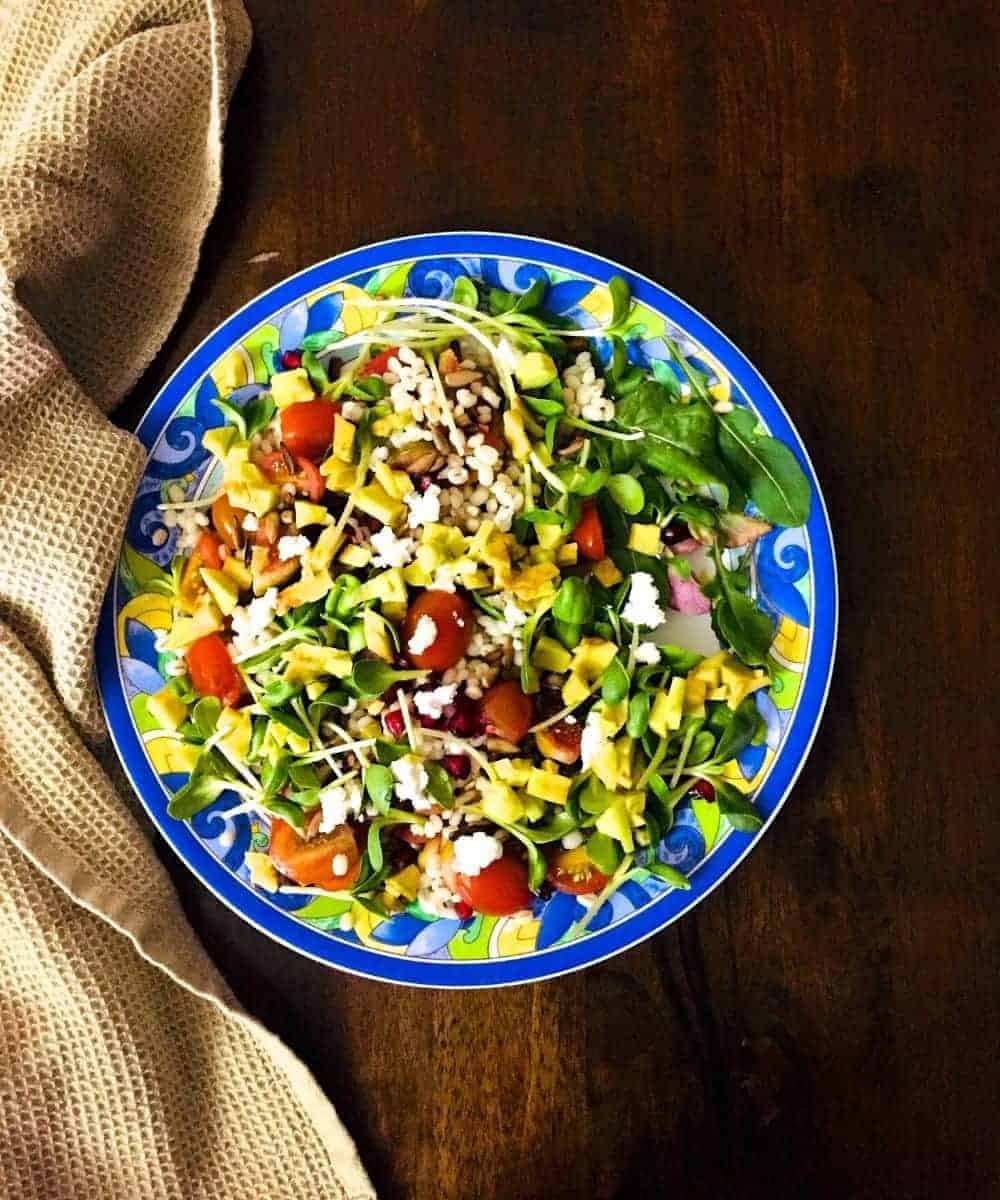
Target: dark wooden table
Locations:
point(821, 180)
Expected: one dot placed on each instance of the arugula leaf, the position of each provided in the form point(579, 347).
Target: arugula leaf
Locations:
point(766, 468)
point(737, 620)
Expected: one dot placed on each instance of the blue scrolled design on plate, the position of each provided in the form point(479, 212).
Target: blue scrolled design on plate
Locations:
point(782, 560)
point(434, 278)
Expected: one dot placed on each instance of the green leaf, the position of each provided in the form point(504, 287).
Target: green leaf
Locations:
point(211, 776)
point(537, 864)
point(544, 408)
point(638, 715)
point(621, 300)
point(392, 817)
point(439, 784)
point(669, 875)
point(561, 823)
point(604, 853)
point(379, 784)
point(530, 681)
point(464, 292)
point(736, 808)
point(371, 677)
point(388, 752)
point(257, 413)
point(738, 621)
point(205, 715)
point(581, 482)
point(288, 719)
point(530, 299)
point(541, 516)
point(739, 732)
point(766, 468)
point(284, 809)
point(615, 683)
point(573, 603)
point(233, 415)
point(314, 369)
point(319, 341)
point(274, 774)
point(551, 428)
point(627, 493)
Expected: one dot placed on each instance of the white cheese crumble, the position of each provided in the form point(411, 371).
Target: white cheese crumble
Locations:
point(475, 851)
point(424, 507)
point(353, 411)
point(647, 653)
point(424, 636)
point(250, 522)
point(432, 703)
point(572, 840)
point(593, 739)
point(643, 607)
point(292, 547)
point(339, 803)
point(391, 550)
point(250, 624)
point(411, 782)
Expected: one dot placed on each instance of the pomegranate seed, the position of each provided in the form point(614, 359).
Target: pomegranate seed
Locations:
point(393, 721)
point(701, 787)
point(291, 360)
point(463, 910)
point(467, 719)
point(424, 482)
point(457, 765)
point(676, 531)
point(430, 722)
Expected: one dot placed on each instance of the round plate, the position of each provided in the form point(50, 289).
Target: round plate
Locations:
point(794, 577)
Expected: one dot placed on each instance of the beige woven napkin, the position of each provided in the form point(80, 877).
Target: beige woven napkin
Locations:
point(126, 1068)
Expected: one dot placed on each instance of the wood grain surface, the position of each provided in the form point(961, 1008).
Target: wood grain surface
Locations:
point(821, 180)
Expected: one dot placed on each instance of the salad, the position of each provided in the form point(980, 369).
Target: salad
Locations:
point(418, 628)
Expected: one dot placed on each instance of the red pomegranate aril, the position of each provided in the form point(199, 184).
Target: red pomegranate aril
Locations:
point(291, 360)
point(394, 723)
point(702, 788)
point(462, 910)
point(457, 765)
point(424, 482)
point(430, 722)
point(676, 531)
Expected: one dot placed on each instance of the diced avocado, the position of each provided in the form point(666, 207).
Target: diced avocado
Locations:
point(475, 581)
point(166, 709)
point(237, 456)
point(305, 591)
point(517, 439)
point(741, 681)
point(236, 727)
point(549, 536)
point(390, 423)
point(224, 589)
point(625, 750)
point(480, 540)
point(534, 809)
point(238, 572)
point(219, 440)
point(575, 690)
point(310, 514)
point(514, 771)
point(567, 555)
point(291, 387)
point(316, 689)
point(607, 573)
point(550, 655)
point(388, 586)
point(396, 483)
point(416, 576)
point(320, 556)
point(262, 871)
point(248, 487)
point(592, 657)
point(538, 554)
point(500, 802)
point(709, 670)
point(719, 693)
point(297, 744)
point(668, 708)
point(404, 884)
point(694, 697)
point(306, 662)
point(377, 637)
point(374, 500)
point(340, 477)
point(613, 716)
point(645, 539)
point(185, 630)
point(536, 370)
point(635, 802)
point(355, 556)
point(616, 822)
point(605, 766)
point(547, 786)
point(343, 438)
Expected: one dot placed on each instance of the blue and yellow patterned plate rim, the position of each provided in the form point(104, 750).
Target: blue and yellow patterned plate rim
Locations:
point(794, 576)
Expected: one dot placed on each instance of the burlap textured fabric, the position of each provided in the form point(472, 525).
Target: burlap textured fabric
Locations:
point(126, 1068)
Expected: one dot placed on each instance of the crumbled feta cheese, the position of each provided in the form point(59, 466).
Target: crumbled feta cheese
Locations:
point(643, 607)
point(425, 507)
point(292, 547)
point(250, 523)
point(647, 653)
point(339, 802)
point(475, 851)
point(572, 839)
point(424, 636)
point(411, 782)
point(432, 703)
point(353, 411)
point(593, 739)
point(391, 550)
point(250, 624)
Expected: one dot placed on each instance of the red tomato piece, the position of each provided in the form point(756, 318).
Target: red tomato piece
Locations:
point(310, 863)
point(307, 480)
point(510, 711)
point(454, 624)
point(212, 671)
point(588, 534)
point(379, 364)
point(207, 550)
point(228, 521)
point(499, 890)
point(572, 871)
point(307, 428)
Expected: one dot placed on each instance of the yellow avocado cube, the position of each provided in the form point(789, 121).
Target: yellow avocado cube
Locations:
point(377, 637)
point(355, 556)
point(396, 483)
point(390, 423)
point(376, 502)
point(319, 557)
point(388, 586)
point(645, 539)
point(550, 537)
point(534, 809)
point(741, 681)
point(625, 750)
point(607, 573)
point(307, 589)
point(310, 514)
point(550, 655)
point(416, 576)
point(546, 786)
point(316, 689)
point(236, 727)
point(262, 871)
point(592, 657)
point(575, 690)
point(343, 438)
point(340, 477)
point(567, 556)
point(616, 822)
point(514, 771)
point(694, 697)
point(517, 439)
point(668, 708)
point(613, 716)
point(291, 387)
point(404, 884)
point(224, 589)
point(186, 630)
point(218, 441)
point(306, 662)
point(238, 572)
point(500, 802)
point(166, 709)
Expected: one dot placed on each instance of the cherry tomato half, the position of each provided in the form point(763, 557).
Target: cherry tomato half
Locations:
point(572, 871)
point(208, 550)
point(228, 521)
point(307, 428)
point(307, 480)
point(379, 364)
point(310, 863)
point(588, 534)
point(560, 741)
point(454, 624)
point(212, 671)
point(499, 890)
point(509, 710)
point(192, 586)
